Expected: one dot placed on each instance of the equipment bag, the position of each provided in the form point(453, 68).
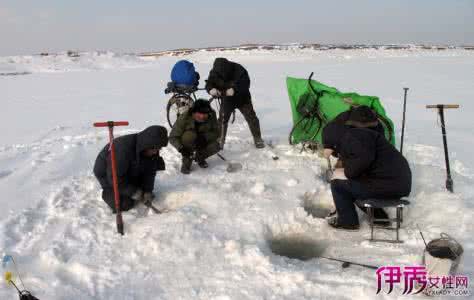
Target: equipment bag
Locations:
point(312, 99)
point(183, 73)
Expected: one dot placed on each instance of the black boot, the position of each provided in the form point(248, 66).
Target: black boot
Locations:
point(254, 124)
point(202, 163)
point(201, 160)
point(334, 223)
point(259, 143)
point(186, 165)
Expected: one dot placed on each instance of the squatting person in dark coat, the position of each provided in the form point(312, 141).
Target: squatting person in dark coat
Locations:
point(372, 168)
point(195, 133)
point(231, 81)
point(137, 161)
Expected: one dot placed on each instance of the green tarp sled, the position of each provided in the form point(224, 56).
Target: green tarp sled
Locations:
point(314, 104)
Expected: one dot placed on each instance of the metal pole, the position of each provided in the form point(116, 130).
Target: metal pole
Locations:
point(221, 123)
point(449, 180)
point(403, 120)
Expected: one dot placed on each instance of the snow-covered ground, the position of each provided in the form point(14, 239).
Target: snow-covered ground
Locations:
point(214, 242)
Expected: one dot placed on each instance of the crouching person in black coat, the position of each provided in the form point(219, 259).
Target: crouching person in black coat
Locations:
point(372, 168)
point(137, 158)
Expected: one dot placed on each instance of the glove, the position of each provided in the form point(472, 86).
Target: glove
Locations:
point(230, 92)
point(138, 195)
point(148, 197)
point(214, 92)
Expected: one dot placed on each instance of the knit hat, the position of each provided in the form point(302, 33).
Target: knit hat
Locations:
point(202, 106)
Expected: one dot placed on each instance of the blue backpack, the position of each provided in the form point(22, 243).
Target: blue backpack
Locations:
point(184, 73)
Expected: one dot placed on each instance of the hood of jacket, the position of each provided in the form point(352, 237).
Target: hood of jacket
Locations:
point(332, 135)
point(224, 68)
point(152, 137)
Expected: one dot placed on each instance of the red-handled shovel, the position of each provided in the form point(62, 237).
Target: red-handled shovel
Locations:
point(111, 125)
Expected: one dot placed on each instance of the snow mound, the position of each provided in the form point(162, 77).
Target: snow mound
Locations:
point(64, 62)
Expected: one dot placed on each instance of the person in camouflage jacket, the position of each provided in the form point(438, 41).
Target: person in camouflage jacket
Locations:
point(195, 135)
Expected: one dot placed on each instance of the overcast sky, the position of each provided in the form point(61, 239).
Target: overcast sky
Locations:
point(28, 27)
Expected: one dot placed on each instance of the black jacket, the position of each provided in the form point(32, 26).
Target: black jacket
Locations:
point(226, 74)
point(370, 159)
point(134, 170)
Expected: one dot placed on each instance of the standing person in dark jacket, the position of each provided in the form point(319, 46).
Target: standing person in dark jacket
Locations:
point(373, 168)
point(231, 81)
point(196, 132)
point(137, 161)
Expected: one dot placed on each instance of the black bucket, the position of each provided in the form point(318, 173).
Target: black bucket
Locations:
point(442, 256)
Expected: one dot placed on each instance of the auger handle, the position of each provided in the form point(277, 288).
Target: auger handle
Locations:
point(111, 124)
point(443, 106)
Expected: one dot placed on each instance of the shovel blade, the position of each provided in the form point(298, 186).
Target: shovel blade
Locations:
point(234, 167)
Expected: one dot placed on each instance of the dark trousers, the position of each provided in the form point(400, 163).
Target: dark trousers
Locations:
point(228, 107)
point(345, 193)
point(126, 203)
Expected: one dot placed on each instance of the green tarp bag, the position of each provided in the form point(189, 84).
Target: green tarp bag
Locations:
point(314, 104)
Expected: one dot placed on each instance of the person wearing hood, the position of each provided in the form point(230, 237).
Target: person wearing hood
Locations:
point(372, 168)
point(231, 81)
point(137, 161)
point(360, 116)
point(195, 134)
